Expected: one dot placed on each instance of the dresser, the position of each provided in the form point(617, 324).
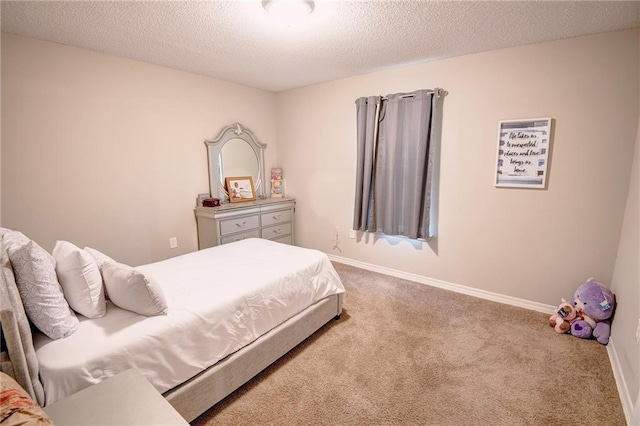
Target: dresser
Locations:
point(269, 218)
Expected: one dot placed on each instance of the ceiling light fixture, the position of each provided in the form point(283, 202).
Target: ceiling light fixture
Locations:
point(289, 10)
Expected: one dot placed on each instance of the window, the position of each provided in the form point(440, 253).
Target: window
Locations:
point(398, 137)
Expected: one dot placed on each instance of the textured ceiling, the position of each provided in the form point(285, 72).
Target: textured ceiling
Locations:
point(237, 41)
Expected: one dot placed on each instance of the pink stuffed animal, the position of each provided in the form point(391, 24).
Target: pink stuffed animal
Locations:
point(561, 320)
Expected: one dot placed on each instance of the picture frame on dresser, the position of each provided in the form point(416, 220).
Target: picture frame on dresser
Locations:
point(240, 189)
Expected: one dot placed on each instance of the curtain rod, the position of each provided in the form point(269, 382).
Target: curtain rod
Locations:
point(411, 95)
point(402, 96)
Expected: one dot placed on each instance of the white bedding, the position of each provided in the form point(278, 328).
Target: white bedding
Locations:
point(220, 299)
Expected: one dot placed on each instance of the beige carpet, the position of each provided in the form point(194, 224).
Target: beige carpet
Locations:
point(409, 354)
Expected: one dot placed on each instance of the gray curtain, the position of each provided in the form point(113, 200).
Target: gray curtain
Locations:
point(368, 113)
point(397, 137)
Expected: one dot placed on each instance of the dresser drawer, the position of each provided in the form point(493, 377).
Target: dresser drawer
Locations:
point(241, 236)
point(272, 218)
point(276, 231)
point(230, 226)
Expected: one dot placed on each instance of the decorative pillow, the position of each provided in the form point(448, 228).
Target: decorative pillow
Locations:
point(38, 285)
point(40, 291)
point(80, 278)
point(132, 290)
point(16, 407)
point(13, 240)
point(16, 330)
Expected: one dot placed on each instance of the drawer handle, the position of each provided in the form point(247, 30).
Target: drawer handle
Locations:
point(241, 225)
point(277, 217)
point(277, 231)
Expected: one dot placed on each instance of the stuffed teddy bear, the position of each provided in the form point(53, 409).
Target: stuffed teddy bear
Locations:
point(561, 320)
point(594, 304)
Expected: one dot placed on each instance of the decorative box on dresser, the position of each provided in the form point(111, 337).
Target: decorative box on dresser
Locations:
point(269, 218)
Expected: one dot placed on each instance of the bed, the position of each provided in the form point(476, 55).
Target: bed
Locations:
point(232, 311)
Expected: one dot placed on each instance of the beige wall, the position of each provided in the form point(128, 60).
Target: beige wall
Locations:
point(538, 245)
point(0, 130)
point(109, 152)
point(626, 284)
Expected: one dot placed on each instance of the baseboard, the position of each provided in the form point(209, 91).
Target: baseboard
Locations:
point(621, 383)
point(483, 294)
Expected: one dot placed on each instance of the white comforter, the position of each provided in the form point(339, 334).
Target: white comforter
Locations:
point(220, 299)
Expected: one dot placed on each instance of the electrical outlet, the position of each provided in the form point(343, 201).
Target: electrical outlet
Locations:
point(173, 242)
point(638, 333)
point(352, 233)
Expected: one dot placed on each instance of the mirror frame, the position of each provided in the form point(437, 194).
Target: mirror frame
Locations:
point(214, 149)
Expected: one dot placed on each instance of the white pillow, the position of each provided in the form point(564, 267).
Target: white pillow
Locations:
point(98, 256)
point(80, 278)
point(132, 290)
point(38, 285)
point(100, 259)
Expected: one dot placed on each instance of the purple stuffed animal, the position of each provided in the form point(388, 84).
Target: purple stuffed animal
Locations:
point(594, 304)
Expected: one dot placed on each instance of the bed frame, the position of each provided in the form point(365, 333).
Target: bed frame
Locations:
point(204, 390)
point(191, 398)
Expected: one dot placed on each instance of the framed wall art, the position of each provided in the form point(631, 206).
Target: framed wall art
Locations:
point(240, 189)
point(523, 153)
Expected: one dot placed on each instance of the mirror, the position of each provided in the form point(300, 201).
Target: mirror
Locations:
point(235, 152)
point(238, 159)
